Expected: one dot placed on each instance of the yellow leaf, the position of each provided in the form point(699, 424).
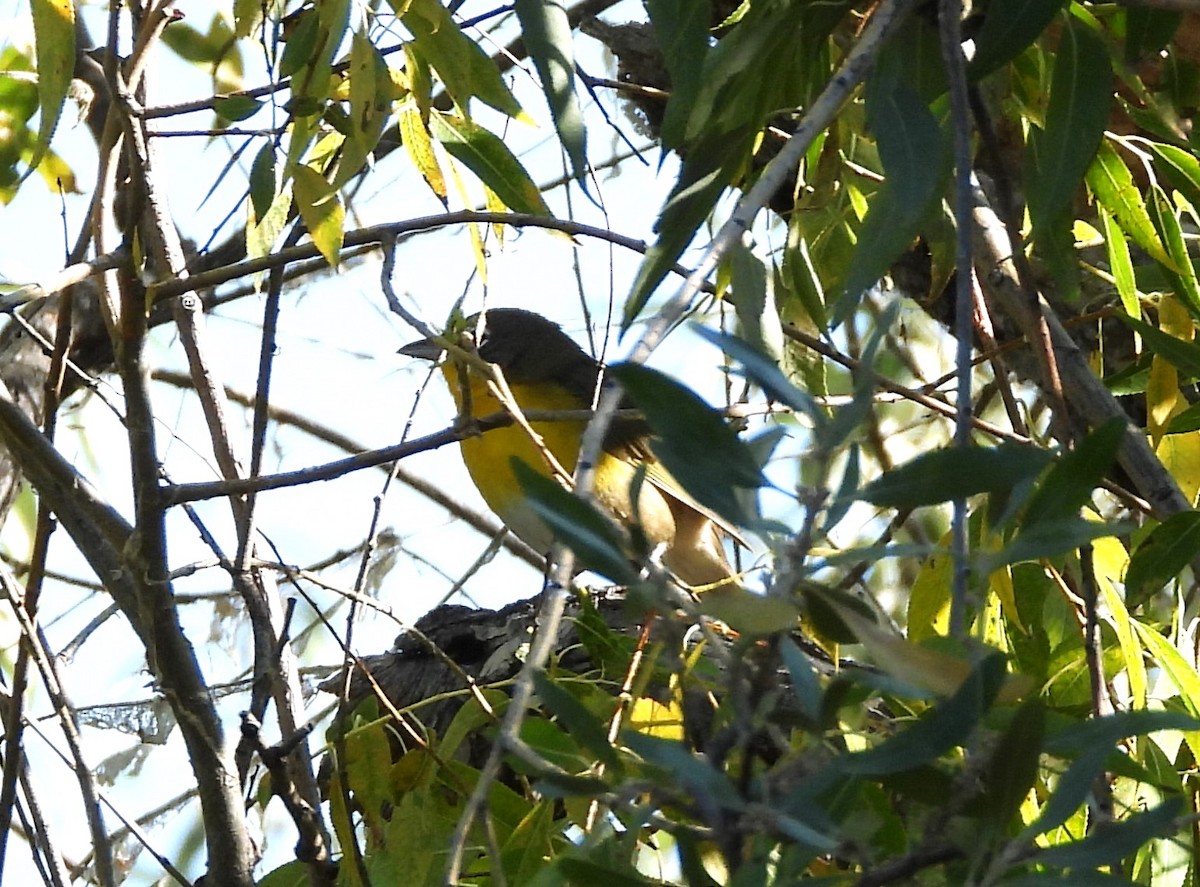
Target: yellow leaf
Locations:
point(654, 718)
point(54, 33)
point(1180, 454)
point(929, 599)
point(1110, 560)
point(928, 669)
point(419, 146)
point(1001, 582)
point(1163, 398)
point(321, 210)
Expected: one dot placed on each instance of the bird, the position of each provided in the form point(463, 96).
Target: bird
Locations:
point(546, 370)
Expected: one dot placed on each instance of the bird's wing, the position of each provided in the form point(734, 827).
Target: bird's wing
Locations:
point(629, 439)
point(662, 480)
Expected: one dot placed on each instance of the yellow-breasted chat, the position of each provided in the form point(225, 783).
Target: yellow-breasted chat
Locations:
point(545, 370)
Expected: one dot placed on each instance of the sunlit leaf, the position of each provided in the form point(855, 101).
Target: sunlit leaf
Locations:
point(247, 15)
point(462, 64)
point(321, 210)
point(929, 597)
point(54, 33)
point(486, 155)
point(1180, 168)
point(1184, 356)
point(1120, 264)
point(1112, 183)
point(1180, 271)
point(419, 146)
point(1111, 562)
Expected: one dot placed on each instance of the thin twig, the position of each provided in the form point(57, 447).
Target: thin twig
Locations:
point(950, 30)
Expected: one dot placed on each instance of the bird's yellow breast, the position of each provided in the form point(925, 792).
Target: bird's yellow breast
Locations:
point(488, 456)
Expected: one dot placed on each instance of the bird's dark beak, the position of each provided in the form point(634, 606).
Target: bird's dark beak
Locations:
point(425, 349)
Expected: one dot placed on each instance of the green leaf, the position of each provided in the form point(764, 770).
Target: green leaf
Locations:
point(263, 182)
point(1110, 181)
point(1012, 765)
point(490, 159)
point(368, 760)
point(371, 96)
point(1181, 354)
point(583, 725)
point(1116, 840)
point(1092, 742)
point(753, 301)
point(577, 525)
point(463, 66)
point(1072, 788)
point(913, 153)
point(704, 175)
point(418, 144)
point(701, 778)
point(1080, 96)
point(301, 42)
point(1068, 485)
point(290, 874)
point(763, 372)
point(1147, 31)
point(1056, 879)
point(1162, 555)
point(321, 210)
point(1050, 538)
point(1179, 271)
point(942, 475)
point(693, 441)
point(551, 742)
point(1009, 27)
point(947, 725)
point(592, 873)
point(1178, 670)
point(247, 16)
point(54, 35)
point(1105, 732)
point(805, 686)
point(1120, 263)
point(1180, 168)
point(681, 27)
point(547, 33)
point(235, 108)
